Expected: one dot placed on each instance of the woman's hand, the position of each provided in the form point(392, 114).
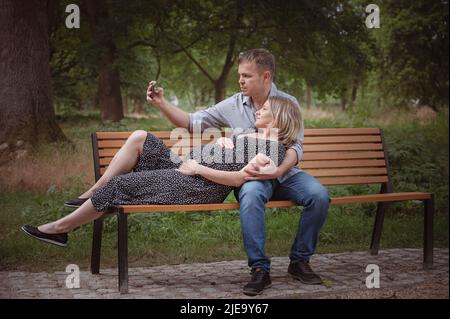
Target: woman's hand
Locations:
point(261, 167)
point(225, 142)
point(190, 167)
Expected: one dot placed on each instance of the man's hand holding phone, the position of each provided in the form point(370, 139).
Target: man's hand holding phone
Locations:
point(154, 94)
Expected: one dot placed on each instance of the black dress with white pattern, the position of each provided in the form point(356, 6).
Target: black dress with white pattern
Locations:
point(155, 179)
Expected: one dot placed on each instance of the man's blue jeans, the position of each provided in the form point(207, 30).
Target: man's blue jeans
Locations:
point(301, 188)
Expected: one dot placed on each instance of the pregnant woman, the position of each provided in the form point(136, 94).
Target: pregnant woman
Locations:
point(208, 174)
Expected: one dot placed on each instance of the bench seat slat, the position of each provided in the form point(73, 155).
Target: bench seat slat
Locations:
point(343, 164)
point(341, 131)
point(183, 143)
point(125, 135)
point(104, 161)
point(330, 143)
point(342, 147)
point(346, 172)
point(308, 132)
point(309, 156)
point(104, 142)
point(334, 178)
point(391, 197)
point(341, 139)
point(107, 152)
point(328, 181)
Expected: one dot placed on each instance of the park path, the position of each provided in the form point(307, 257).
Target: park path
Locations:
point(344, 275)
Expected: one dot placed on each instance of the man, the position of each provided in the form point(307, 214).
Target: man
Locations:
point(256, 70)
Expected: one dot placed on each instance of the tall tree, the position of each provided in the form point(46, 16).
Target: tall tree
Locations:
point(26, 108)
point(109, 93)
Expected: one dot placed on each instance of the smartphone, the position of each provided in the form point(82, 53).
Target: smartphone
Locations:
point(153, 90)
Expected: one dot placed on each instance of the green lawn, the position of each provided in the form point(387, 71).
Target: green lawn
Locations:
point(196, 237)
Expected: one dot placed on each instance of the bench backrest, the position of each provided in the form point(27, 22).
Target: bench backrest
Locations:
point(336, 156)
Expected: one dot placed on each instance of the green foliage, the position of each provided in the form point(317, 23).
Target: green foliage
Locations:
point(413, 59)
point(418, 156)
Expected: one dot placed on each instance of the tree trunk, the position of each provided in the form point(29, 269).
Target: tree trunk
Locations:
point(109, 96)
point(219, 90)
point(220, 84)
point(344, 99)
point(26, 106)
point(126, 104)
point(354, 93)
point(108, 91)
point(308, 95)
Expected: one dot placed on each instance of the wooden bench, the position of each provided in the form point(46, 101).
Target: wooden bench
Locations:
point(336, 156)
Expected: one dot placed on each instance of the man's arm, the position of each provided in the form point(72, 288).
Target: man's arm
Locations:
point(298, 148)
point(210, 117)
point(176, 115)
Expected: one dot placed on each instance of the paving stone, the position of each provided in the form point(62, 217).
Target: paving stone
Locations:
point(340, 272)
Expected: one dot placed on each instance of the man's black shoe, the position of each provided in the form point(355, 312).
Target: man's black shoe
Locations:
point(56, 239)
point(302, 271)
point(260, 280)
point(75, 203)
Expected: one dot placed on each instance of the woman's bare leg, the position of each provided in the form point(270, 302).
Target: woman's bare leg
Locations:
point(82, 215)
point(123, 162)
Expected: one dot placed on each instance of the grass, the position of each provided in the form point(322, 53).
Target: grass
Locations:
point(197, 237)
point(33, 190)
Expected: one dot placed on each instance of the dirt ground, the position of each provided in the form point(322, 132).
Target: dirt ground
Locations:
point(425, 291)
point(434, 286)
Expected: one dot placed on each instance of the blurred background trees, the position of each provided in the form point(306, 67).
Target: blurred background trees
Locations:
point(325, 53)
point(326, 56)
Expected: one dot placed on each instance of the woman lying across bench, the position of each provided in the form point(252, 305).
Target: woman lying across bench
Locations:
point(207, 176)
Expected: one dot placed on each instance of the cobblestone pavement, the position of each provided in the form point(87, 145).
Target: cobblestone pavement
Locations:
point(342, 272)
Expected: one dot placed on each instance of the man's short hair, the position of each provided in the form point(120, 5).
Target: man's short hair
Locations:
point(263, 59)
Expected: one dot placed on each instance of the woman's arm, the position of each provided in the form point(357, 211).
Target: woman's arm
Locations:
point(235, 179)
point(261, 163)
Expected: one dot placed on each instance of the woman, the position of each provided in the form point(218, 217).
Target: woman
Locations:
point(207, 176)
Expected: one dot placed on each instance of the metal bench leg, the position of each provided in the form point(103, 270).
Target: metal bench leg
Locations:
point(96, 245)
point(428, 233)
point(377, 228)
point(122, 243)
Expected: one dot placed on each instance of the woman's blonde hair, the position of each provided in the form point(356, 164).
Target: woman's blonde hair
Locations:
point(287, 119)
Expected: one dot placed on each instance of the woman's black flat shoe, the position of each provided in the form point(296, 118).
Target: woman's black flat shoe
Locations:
point(75, 203)
point(56, 239)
